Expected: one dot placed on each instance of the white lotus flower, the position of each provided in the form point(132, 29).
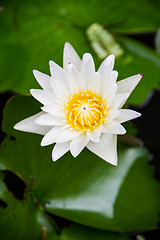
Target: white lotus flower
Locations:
point(81, 107)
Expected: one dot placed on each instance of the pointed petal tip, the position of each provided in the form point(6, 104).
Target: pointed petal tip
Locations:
point(35, 73)
point(70, 56)
point(138, 76)
point(55, 156)
point(110, 58)
point(108, 63)
point(87, 57)
point(138, 114)
point(19, 126)
point(54, 159)
point(31, 90)
point(123, 131)
point(67, 44)
point(74, 154)
point(44, 142)
point(114, 162)
point(16, 126)
point(141, 75)
point(59, 150)
point(50, 62)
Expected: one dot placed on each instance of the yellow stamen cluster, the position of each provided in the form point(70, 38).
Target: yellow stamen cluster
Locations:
point(85, 111)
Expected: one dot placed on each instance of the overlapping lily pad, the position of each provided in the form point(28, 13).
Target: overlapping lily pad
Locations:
point(22, 219)
point(85, 189)
point(78, 232)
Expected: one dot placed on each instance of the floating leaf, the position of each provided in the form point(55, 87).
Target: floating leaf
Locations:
point(85, 189)
point(139, 59)
point(78, 232)
point(157, 41)
point(22, 219)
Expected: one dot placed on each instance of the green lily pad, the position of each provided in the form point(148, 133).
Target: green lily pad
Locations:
point(85, 189)
point(22, 219)
point(139, 59)
point(130, 18)
point(78, 232)
point(157, 41)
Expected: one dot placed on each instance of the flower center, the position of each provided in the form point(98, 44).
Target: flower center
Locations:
point(85, 111)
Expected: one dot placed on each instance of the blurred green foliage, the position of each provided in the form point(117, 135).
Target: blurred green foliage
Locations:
point(34, 32)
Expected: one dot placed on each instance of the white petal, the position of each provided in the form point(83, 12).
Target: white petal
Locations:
point(95, 135)
point(49, 120)
point(67, 134)
point(126, 115)
point(114, 128)
point(95, 83)
point(87, 69)
point(77, 144)
point(99, 129)
point(106, 148)
point(45, 97)
point(111, 115)
point(127, 85)
point(74, 79)
point(108, 86)
point(60, 88)
point(42, 79)
point(113, 76)
point(108, 79)
point(56, 71)
point(107, 64)
point(50, 137)
point(119, 100)
point(29, 125)
point(59, 150)
point(54, 109)
point(70, 56)
point(109, 94)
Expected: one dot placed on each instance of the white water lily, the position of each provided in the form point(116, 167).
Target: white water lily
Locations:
point(81, 107)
